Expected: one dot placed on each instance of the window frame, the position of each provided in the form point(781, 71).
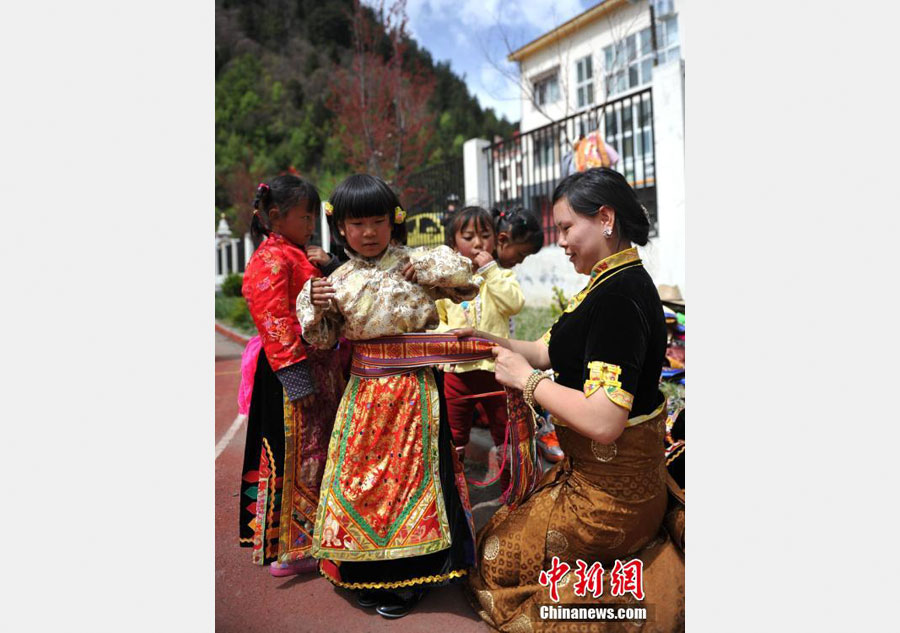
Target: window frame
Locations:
point(540, 88)
point(584, 87)
point(618, 74)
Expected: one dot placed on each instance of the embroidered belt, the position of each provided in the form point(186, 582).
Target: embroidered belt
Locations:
point(393, 355)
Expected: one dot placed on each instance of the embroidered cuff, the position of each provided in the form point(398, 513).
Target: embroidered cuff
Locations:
point(605, 376)
point(546, 337)
point(297, 380)
point(484, 269)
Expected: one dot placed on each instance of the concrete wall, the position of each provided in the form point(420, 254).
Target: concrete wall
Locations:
point(475, 172)
point(539, 273)
point(668, 123)
point(550, 267)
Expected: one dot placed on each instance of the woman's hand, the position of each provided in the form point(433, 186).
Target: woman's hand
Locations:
point(461, 332)
point(317, 255)
point(510, 369)
point(321, 292)
point(410, 273)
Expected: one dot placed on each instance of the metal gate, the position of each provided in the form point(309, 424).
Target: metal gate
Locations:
point(525, 169)
point(429, 191)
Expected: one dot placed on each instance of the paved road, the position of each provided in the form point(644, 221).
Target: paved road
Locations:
point(248, 599)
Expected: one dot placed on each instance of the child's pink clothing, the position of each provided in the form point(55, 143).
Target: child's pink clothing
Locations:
point(248, 370)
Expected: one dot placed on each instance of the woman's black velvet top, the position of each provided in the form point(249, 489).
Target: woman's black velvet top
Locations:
point(620, 322)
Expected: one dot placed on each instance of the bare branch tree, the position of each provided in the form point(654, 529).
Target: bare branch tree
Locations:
point(381, 101)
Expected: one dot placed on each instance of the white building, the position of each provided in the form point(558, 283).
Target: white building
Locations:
point(601, 70)
point(604, 53)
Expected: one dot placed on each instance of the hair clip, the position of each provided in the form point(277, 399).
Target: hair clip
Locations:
point(399, 215)
point(262, 186)
point(329, 208)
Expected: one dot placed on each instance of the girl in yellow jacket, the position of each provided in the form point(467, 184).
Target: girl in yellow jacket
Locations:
point(493, 242)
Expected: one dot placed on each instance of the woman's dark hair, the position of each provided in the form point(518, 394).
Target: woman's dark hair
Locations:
point(364, 196)
point(460, 219)
point(589, 190)
point(284, 192)
point(521, 225)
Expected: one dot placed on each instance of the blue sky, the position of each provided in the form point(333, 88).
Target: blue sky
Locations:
point(469, 33)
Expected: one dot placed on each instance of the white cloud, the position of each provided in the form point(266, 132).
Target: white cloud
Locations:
point(542, 15)
point(468, 33)
point(539, 14)
point(546, 16)
point(460, 37)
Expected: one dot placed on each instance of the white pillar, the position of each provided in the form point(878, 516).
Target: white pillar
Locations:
point(248, 248)
point(475, 169)
point(234, 255)
point(326, 232)
point(218, 271)
point(226, 269)
point(223, 234)
point(668, 125)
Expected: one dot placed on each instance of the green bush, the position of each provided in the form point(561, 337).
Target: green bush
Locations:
point(232, 311)
point(223, 306)
point(558, 303)
point(532, 322)
point(231, 286)
point(239, 316)
point(673, 392)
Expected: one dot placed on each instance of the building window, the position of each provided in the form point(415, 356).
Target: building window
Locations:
point(584, 72)
point(629, 62)
point(546, 90)
point(663, 7)
point(667, 39)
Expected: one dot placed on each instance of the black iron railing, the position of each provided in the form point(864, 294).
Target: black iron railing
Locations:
point(428, 192)
point(525, 169)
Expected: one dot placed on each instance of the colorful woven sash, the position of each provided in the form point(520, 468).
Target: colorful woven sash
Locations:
point(392, 355)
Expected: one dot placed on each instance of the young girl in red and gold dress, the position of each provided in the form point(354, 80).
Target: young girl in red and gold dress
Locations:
point(295, 388)
point(394, 515)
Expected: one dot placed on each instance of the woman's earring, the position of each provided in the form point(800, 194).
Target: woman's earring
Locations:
point(607, 232)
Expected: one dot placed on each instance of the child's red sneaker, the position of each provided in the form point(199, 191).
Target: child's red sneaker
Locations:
point(549, 445)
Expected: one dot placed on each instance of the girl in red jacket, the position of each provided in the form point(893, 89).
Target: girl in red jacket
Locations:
point(296, 388)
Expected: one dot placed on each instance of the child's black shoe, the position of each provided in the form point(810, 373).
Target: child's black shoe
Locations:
point(397, 606)
point(368, 598)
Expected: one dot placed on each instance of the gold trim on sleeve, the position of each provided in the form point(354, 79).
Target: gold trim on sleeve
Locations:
point(620, 397)
point(649, 416)
point(605, 376)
